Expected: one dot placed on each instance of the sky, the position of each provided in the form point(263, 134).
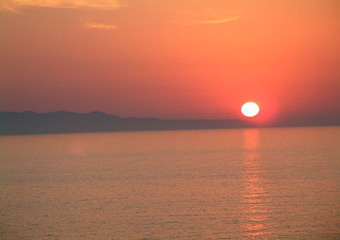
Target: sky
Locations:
point(172, 58)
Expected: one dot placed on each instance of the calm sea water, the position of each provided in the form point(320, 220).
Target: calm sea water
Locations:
point(279, 183)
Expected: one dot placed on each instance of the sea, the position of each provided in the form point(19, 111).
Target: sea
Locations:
point(270, 183)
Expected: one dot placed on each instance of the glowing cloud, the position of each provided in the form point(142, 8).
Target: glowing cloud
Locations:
point(7, 6)
point(93, 25)
point(12, 5)
point(216, 21)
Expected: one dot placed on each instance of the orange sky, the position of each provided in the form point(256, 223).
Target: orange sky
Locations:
point(172, 58)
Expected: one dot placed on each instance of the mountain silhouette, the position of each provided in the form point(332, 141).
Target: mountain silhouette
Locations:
point(69, 122)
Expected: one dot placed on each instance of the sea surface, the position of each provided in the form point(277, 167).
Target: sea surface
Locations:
point(275, 183)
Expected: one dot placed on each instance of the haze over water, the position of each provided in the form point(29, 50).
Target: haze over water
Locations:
point(212, 184)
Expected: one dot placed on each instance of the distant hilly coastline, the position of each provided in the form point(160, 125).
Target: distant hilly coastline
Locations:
point(29, 122)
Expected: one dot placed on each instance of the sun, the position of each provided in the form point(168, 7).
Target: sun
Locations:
point(250, 109)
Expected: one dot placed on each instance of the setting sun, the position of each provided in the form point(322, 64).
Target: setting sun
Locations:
point(250, 109)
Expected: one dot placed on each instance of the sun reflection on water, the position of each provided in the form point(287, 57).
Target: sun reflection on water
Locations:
point(255, 198)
